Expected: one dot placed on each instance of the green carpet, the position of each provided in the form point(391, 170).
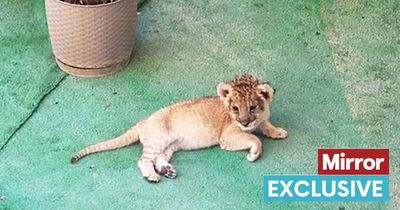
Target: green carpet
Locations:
point(183, 49)
point(28, 70)
point(364, 37)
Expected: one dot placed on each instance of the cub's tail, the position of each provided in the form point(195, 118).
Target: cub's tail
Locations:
point(129, 137)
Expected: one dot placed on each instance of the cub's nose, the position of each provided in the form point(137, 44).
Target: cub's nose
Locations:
point(245, 122)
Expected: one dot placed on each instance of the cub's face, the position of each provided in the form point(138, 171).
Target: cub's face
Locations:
point(248, 104)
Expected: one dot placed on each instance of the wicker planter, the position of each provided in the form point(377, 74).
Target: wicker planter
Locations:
point(92, 40)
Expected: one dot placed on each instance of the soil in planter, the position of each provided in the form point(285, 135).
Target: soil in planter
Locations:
point(88, 2)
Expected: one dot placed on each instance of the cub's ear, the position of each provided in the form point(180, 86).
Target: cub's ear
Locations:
point(224, 90)
point(266, 91)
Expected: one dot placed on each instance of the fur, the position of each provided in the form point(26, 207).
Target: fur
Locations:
point(241, 107)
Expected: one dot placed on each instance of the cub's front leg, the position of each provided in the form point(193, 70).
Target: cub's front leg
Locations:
point(270, 130)
point(234, 139)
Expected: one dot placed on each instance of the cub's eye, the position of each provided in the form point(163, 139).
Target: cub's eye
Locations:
point(235, 109)
point(253, 108)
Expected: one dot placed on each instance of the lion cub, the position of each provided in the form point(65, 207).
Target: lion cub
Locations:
point(241, 107)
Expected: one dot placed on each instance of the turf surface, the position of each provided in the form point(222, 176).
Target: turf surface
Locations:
point(364, 37)
point(28, 70)
point(183, 49)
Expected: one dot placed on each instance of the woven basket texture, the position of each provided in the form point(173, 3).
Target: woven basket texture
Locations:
point(92, 36)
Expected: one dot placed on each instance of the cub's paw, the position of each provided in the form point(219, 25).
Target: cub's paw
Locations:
point(255, 150)
point(153, 177)
point(278, 133)
point(168, 171)
point(253, 156)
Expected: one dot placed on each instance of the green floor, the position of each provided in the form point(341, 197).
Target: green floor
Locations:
point(335, 65)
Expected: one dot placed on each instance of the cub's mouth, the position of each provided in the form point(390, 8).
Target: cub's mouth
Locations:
point(244, 123)
point(247, 125)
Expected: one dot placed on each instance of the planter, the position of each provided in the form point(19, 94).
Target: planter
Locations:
point(92, 40)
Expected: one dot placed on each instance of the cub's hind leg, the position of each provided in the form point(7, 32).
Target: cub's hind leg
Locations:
point(162, 163)
point(147, 160)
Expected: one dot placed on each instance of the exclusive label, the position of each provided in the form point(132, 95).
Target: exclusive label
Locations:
point(353, 161)
point(326, 188)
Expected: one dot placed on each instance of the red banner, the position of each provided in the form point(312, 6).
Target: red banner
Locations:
point(353, 161)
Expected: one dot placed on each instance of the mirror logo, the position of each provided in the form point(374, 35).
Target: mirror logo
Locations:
point(343, 175)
